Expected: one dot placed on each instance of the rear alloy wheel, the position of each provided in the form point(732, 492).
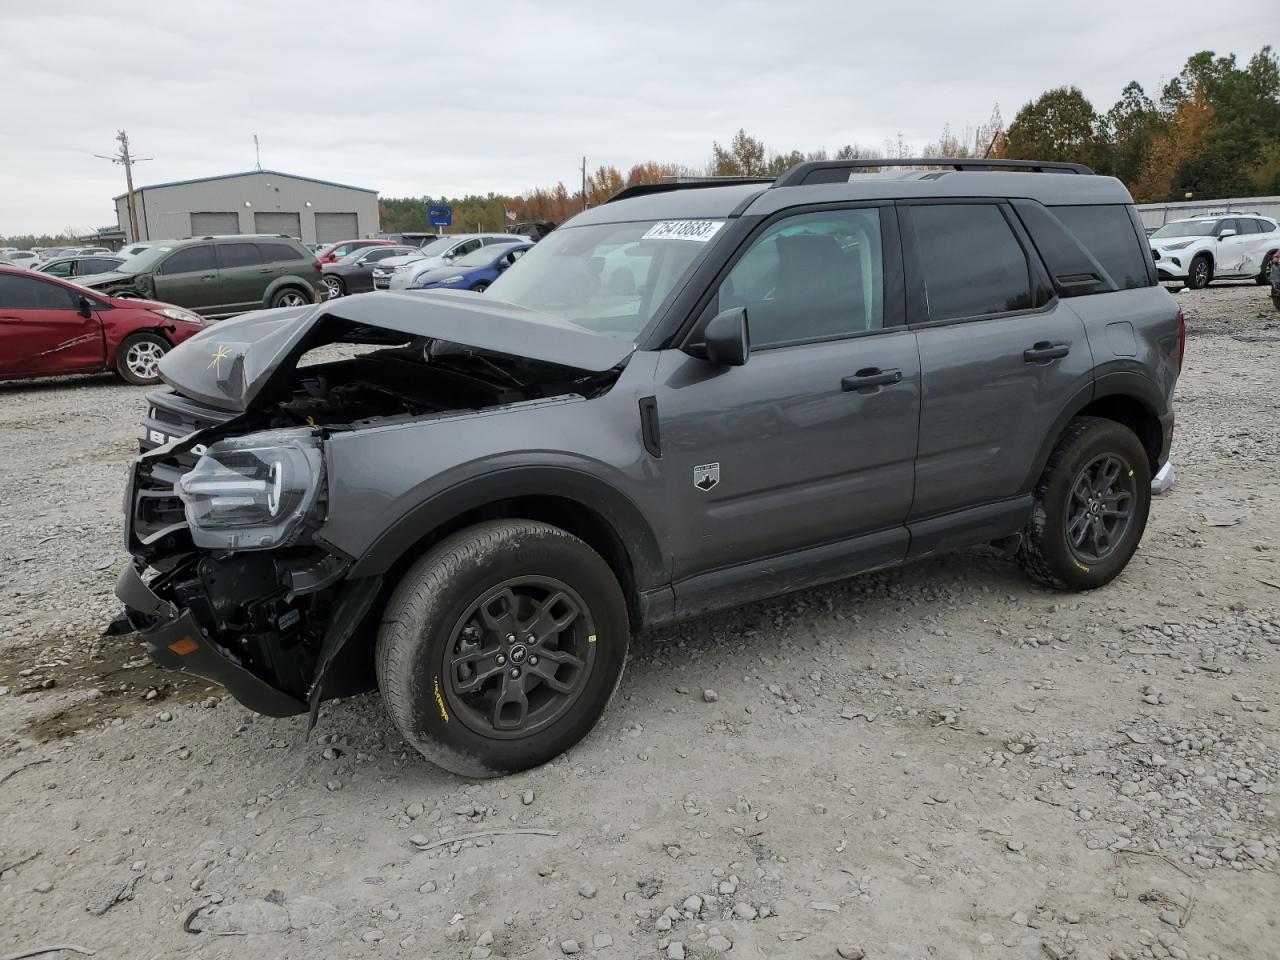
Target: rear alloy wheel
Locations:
point(501, 647)
point(336, 287)
point(1200, 273)
point(1091, 506)
point(289, 297)
point(138, 359)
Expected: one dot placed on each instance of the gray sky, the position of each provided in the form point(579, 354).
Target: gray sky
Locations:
point(444, 99)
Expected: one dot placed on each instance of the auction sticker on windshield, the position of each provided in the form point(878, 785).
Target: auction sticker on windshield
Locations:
point(697, 230)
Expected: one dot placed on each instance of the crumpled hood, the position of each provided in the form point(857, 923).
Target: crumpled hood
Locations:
point(227, 364)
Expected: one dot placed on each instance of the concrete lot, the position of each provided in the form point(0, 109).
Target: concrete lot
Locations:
point(940, 761)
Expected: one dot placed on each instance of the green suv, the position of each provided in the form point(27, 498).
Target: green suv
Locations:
point(219, 276)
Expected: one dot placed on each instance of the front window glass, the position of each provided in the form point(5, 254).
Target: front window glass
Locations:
point(609, 278)
point(437, 247)
point(189, 260)
point(145, 261)
point(1185, 228)
point(479, 258)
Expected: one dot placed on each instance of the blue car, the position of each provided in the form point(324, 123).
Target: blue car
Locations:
point(476, 270)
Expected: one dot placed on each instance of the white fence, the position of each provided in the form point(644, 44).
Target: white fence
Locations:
point(1158, 214)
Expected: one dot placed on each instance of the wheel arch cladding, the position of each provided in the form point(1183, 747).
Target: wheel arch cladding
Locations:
point(590, 509)
point(1127, 398)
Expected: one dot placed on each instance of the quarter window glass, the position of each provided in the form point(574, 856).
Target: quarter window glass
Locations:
point(238, 255)
point(1265, 226)
point(189, 260)
point(1108, 234)
point(972, 263)
point(27, 293)
point(810, 276)
point(278, 253)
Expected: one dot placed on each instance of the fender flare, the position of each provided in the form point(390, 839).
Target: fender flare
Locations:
point(1123, 382)
point(290, 280)
point(649, 564)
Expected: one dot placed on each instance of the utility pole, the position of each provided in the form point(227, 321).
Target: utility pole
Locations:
point(257, 153)
point(127, 161)
point(584, 183)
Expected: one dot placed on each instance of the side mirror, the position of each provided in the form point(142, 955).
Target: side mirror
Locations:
point(724, 339)
point(1226, 233)
point(84, 307)
point(502, 265)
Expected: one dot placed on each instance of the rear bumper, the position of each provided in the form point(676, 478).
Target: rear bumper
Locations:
point(174, 640)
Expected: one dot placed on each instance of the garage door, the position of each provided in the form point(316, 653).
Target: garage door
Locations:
point(214, 224)
point(335, 227)
point(289, 224)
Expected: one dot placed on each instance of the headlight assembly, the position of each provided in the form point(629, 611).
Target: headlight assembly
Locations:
point(254, 492)
point(1179, 246)
point(452, 280)
point(177, 313)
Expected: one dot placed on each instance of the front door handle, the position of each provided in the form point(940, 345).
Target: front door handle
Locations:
point(209, 276)
point(1044, 351)
point(871, 378)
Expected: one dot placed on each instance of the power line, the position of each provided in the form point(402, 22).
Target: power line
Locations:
point(125, 159)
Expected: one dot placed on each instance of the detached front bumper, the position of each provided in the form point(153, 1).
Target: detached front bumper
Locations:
point(176, 641)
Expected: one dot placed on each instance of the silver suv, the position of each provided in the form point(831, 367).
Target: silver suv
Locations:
point(687, 398)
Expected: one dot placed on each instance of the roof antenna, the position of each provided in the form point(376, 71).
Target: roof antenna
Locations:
point(257, 153)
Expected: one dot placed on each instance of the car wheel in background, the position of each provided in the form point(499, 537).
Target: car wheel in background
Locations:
point(1264, 274)
point(1090, 508)
point(1199, 273)
point(336, 287)
point(501, 647)
point(480, 287)
point(289, 297)
point(138, 359)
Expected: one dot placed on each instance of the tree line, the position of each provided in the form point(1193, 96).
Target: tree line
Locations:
point(1213, 131)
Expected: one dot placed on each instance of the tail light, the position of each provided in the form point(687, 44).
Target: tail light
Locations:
point(1182, 339)
point(317, 266)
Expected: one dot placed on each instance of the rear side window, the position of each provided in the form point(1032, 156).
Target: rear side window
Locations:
point(971, 261)
point(189, 260)
point(1107, 233)
point(279, 253)
point(238, 255)
point(1246, 225)
point(28, 293)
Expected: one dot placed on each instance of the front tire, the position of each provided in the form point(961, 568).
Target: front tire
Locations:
point(1199, 273)
point(1263, 276)
point(480, 287)
point(138, 358)
point(501, 647)
point(1091, 506)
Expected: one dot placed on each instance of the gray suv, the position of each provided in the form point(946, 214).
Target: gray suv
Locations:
point(690, 397)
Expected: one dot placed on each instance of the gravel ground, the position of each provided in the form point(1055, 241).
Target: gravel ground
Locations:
point(941, 761)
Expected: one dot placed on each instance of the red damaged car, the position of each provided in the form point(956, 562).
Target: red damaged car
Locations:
point(50, 327)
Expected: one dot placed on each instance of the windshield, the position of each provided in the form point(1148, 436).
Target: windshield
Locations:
point(143, 261)
point(482, 257)
point(438, 246)
point(1185, 228)
point(609, 278)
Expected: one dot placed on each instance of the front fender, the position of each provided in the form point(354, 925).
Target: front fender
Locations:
point(504, 483)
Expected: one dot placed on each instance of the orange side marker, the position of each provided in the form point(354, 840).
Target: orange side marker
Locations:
point(184, 646)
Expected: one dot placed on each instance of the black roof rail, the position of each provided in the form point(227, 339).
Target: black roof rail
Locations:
point(643, 189)
point(837, 171)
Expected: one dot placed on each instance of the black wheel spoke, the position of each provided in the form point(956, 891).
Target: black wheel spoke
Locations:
point(549, 666)
point(498, 614)
point(511, 709)
point(554, 615)
point(1100, 507)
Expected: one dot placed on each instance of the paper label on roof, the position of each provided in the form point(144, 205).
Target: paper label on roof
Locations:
point(700, 231)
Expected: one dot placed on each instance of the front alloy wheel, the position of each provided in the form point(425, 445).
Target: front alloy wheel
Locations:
point(501, 647)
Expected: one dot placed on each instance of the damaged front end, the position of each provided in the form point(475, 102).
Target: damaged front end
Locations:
point(232, 578)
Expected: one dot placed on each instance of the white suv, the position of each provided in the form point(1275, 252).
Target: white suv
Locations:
point(1215, 247)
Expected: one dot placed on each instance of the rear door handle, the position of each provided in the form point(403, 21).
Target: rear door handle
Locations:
point(1044, 351)
point(266, 270)
point(870, 378)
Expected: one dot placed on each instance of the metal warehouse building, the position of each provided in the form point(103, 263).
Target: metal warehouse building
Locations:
point(260, 201)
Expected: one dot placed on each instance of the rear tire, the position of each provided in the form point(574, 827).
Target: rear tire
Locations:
point(290, 297)
point(454, 650)
point(1077, 506)
point(480, 287)
point(1199, 273)
point(138, 358)
point(336, 287)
